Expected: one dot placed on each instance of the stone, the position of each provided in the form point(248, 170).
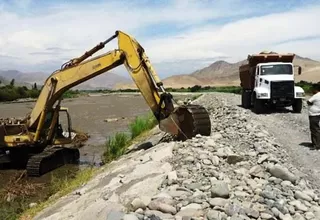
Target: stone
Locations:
point(282, 173)
point(130, 217)
point(303, 196)
point(172, 177)
point(115, 215)
point(162, 207)
point(234, 158)
point(137, 203)
point(219, 189)
point(213, 215)
point(218, 202)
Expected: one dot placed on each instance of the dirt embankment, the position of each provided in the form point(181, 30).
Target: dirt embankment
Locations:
point(251, 167)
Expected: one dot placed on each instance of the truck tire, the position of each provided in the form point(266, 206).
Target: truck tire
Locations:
point(246, 99)
point(258, 106)
point(297, 105)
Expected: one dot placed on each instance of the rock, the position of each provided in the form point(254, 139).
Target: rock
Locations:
point(172, 177)
point(282, 173)
point(233, 209)
point(214, 215)
point(115, 215)
point(192, 206)
point(234, 158)
point(263, 158)
point(219, 189)
point(287, 217)
point(257, 171)
point(157, 214)
point(298, 216)
point(130, 217)
point(111, 119)
point(190, 213)
point(215, 160)
point(33, 204)
point(218, 202)
point(309, 215)
point(138, 203)
point(162, 207)
point(303, 196)
point(264, 215)
point(252, 213)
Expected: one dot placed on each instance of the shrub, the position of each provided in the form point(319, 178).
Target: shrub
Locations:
point(142, 124)
point(115, 146)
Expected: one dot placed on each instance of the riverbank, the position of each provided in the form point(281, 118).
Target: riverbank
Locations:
point(250, 167)
point(92, 115)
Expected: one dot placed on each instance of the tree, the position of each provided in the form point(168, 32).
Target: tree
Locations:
point(12, 82)
point(35, 86)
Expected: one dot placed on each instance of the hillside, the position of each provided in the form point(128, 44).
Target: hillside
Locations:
point(222, 73)
point(103, 81)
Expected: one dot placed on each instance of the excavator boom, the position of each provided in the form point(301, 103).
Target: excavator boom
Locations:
point(183, 122)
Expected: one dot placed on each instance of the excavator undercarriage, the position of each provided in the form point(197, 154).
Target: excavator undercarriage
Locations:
point(37, 141)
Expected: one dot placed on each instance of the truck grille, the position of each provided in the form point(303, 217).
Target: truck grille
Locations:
point(282, 89)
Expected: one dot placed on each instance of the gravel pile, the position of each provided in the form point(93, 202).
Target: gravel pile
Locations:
point(239, 172)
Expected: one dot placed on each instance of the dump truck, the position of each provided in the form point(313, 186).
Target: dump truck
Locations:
point(267, 80)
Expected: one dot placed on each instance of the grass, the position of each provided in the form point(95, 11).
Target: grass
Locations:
point(142, 124)
point(60, 187)
point(117, 145)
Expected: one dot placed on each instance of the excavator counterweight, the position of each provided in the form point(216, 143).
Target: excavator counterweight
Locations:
point(37, 140)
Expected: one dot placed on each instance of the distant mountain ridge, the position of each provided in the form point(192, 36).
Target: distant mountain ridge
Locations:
point(223, 73)
point(104, 81)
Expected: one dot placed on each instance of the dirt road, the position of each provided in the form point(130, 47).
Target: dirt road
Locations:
point(292, 132)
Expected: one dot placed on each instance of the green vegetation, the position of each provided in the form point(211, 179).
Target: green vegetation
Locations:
point(11, 92)
point(117, 145)
point(142, 124)
point(308, 87)
point(61, 184)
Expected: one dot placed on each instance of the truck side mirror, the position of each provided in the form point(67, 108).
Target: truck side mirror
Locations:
point(299, 70)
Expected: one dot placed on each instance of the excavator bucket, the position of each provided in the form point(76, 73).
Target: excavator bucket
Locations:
point(187, 121)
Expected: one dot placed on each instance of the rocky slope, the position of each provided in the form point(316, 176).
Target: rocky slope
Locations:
point(242, 171)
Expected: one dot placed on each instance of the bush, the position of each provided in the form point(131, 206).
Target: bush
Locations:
point(142, 124)
point(115, 147)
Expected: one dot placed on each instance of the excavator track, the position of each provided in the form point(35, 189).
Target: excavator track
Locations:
point(51, 159)
point(193, 120)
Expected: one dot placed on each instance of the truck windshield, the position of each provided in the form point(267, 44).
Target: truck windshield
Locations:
point(276, 69)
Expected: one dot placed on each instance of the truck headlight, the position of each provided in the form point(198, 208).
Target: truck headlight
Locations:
point(300, 94)
point(262, 94)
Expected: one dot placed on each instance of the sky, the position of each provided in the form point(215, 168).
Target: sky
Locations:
point(179, 36)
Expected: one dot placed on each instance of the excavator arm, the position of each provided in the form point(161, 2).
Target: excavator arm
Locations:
point(36, 140)
point(133, 56)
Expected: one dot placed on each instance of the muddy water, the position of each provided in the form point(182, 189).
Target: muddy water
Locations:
point(88, 115)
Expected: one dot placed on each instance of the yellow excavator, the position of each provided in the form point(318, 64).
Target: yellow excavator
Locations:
point(37, 140)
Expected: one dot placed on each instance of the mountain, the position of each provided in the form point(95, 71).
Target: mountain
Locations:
point(222, 73)
point(104, 81)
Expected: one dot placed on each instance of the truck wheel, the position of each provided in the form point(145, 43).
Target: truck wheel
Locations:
point(258, 106)
point(297, 106)
point(246, 99)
